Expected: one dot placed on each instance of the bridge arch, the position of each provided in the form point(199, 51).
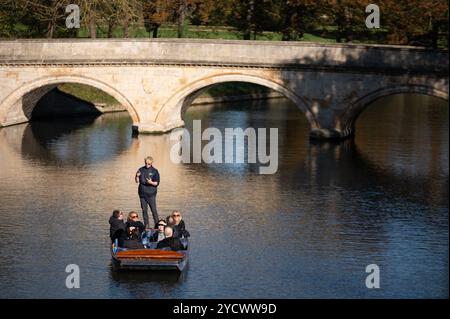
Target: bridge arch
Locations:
point(355, 109)
point(14, 103)
point(170, 115)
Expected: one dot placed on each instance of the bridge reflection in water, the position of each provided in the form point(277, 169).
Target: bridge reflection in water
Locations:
point(307, 231)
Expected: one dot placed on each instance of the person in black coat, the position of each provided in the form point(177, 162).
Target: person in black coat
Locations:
point(133, 221)
point(133, 239)
point(117, 226)
point(179, 227)
point(170, 242)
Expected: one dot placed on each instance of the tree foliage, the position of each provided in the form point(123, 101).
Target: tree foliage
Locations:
point(417, 22)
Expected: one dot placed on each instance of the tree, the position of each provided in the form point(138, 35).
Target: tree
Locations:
point(11, 11)
point(155, 13)
point(213, 12)
point(181, 16)
point(435, 20)
point(183, 9)
point(414, 21)
point(47, 11)
point(160, 11)
point(91, 15)
point(53, 14)
point(109, 13)
point(295, 16)
point(253, 16)
point(130, 10)
point(345, 16)
point(202, 10)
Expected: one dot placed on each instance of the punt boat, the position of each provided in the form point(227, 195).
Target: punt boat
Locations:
point(148, 258)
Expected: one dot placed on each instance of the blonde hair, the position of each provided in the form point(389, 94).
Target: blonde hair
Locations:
point(175, 211)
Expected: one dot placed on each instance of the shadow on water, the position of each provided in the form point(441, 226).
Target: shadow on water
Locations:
point(142, 276)
point(45, 131)
point(148, 284)
point(345, 165)
point(76, 141)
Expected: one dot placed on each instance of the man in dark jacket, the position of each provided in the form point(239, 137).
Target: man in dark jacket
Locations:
point(148, 179)
point(179, 227)
point(117, 226)
point(170, 241)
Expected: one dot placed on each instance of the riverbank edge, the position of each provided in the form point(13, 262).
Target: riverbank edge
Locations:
point(104, 108)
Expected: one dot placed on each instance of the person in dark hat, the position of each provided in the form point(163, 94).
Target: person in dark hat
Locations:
point(159, 235)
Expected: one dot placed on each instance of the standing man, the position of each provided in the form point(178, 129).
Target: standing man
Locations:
point(148, 179)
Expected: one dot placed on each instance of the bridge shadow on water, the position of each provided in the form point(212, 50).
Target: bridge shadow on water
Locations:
point(76, 141)
point(345, 166)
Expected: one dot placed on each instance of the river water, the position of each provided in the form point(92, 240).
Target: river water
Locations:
point(308, 231)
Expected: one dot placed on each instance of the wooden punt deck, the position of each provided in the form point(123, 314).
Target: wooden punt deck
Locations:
point(149, 259)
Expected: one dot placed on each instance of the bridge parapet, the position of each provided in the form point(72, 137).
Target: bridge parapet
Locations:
point(262, 54)
point(156, 80)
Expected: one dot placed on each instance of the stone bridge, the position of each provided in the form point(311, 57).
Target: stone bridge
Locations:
point(157, 79)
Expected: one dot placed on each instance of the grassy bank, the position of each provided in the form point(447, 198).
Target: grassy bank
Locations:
point(321, 34)
point(88, 93)
point(325, 34)
point(196, 32)
point(97, 96)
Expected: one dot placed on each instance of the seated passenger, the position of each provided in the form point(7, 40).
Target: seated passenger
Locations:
point(132, 241)
point(133, 221)
point(169, 220)
point(170, 241)
point(159, 235)
point(179, 227)
point(117, 226)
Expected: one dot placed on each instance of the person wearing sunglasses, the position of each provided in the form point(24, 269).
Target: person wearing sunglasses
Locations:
point(133, 221)
point(159, 235)
point(133, 239)
point(179, 226)
point(148, 179)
